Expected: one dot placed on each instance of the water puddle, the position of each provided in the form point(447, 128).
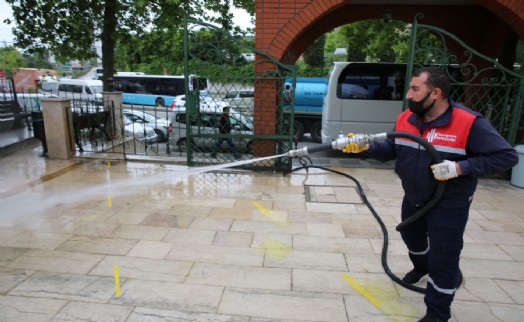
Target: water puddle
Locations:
point(22, 204)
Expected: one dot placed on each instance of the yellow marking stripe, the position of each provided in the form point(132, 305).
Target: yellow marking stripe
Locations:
point(362, 291)
point(117, 281)
point(264, 210)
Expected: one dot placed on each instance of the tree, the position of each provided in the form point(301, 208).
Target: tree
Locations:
point(314, 54)
point(10, 60)
point(35, 61)
point(68, 28)
point(335, 39)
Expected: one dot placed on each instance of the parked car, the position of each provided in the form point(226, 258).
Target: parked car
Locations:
point(207, 123)
point(140, 130)
point(159, 124)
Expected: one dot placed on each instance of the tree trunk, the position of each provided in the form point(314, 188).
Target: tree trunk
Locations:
point(108, 43)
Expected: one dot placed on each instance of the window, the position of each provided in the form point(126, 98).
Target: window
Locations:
point(70, 88)
point(232, 94)
point(245, 94)
point(209, 120)
point(371, 82)
point(181, 118)
point(76, 88)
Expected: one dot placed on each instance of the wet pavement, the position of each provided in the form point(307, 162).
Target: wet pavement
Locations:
point(110, 240)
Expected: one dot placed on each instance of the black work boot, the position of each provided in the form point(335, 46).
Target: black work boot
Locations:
point(413, 276)
point(460, 279)
point(430, 318)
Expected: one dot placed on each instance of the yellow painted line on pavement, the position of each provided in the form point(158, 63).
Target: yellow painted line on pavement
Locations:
point(117, 281)
point(362, 291)
point(264, 210)
point(274, 218)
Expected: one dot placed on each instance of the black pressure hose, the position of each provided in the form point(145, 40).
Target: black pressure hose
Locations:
point(421, 212)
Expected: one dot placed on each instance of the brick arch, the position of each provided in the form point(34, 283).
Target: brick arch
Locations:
point(286, 28)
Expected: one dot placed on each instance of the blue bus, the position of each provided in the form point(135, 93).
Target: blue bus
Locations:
point(156, 90)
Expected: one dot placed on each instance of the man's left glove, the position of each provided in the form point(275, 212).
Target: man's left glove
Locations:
point(444, 170)
point(355, 147)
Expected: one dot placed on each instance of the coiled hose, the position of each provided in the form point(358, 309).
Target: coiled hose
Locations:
point(439, 191)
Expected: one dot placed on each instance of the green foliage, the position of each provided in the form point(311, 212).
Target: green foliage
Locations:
point(153, 53)
point(68, 28)
point(224, 73)
point(374, 40)
point(305, 70)
point(35, 61)
point(335, 39)
point(314, 54)
point(159, 52)
point(10, 60)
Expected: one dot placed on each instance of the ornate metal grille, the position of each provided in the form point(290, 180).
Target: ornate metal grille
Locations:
point(478, 82)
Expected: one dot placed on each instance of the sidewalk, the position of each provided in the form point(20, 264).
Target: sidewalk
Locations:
point(231, 245)
point(12, 137)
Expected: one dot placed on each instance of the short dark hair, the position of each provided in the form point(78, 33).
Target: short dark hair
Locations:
point(225, 108)
point(437, 78)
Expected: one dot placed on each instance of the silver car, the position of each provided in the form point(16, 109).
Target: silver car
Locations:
point(159, 124)
point(208, 123)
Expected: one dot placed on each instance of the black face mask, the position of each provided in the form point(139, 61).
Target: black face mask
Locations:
point(418, 107)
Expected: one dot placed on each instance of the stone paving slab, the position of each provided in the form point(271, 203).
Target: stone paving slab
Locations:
point(56, 261)
point(10, 278)
point(81, 311)
point(141, 314)
point(143, 268)
point(283, 305)
point(169, 295)
point(29, 309)
point(66, 286)
point(266, 278)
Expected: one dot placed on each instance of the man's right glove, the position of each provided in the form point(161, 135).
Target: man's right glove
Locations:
point(444, 170)
point(354, 147)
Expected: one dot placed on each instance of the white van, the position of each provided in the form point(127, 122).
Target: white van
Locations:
point(207, 123)
point(80, 89)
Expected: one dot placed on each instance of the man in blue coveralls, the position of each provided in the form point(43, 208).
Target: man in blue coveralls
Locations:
point(471, 148)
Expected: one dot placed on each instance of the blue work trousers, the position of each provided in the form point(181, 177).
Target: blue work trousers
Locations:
point(435, 242)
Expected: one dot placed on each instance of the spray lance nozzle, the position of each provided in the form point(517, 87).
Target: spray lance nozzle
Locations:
point(340, 143)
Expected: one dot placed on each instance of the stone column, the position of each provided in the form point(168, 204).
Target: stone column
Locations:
point(113, 104)
point(58, 123)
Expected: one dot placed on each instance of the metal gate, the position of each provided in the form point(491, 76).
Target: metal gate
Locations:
point(478, 82)
point(220, 72)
